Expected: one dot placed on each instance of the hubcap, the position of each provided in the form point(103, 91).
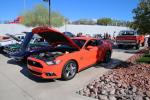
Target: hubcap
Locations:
point(70, 70)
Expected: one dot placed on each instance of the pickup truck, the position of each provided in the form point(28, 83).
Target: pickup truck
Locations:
point(130, 38)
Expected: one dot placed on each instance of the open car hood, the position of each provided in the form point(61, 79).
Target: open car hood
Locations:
point(13, 37)
point(53, 36)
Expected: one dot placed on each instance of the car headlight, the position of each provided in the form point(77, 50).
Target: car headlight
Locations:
point(54, 62)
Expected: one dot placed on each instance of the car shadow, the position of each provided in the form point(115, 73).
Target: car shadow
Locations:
point(111, 65)
point(129, 50)
point(26, 72)
point(4, 54)
point(114, 64)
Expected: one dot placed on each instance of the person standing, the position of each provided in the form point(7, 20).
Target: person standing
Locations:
point(114, 35)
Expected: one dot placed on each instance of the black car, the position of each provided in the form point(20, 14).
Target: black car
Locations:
point(69, 34)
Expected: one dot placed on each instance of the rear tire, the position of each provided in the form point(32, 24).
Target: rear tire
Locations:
point(69, 70)
point(143, 44)
point(120, 46)
point(137, 46)
point(107, 57)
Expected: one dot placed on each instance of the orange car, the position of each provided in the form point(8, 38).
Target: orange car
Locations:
point(68, 56)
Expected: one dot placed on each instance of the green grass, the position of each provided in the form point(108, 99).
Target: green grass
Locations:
point(144, 59)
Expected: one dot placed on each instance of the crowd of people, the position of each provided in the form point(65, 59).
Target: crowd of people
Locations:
point(103, 36)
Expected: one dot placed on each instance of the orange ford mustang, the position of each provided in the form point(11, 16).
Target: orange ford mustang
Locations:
point(67, 56)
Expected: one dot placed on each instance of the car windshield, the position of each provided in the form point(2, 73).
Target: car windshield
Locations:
point(127, 33)
point(79, 42)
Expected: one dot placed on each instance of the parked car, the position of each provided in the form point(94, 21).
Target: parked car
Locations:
point(11, 48)
point(68, 56)
point(69, 34)
point(11, 39)
point(130, 38)
point(4, 38)
point(30, 45)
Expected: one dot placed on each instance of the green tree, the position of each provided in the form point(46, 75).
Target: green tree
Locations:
point(85, 22)
point(104, 21)
point(39, 16)
point(121, 23)
point(142, 17)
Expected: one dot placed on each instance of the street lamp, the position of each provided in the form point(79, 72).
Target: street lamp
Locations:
point(24, 5)
point(49, 4)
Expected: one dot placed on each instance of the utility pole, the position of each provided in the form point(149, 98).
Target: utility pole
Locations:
point(65, 24)
point(49, 12)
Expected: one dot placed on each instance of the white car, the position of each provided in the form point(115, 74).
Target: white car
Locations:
point(18, 38)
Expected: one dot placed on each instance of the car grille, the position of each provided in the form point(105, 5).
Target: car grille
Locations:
point(34, 72)
point(35, 64)
point(126, 41)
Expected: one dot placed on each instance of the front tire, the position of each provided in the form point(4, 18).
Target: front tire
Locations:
point(69, 70)
point(137, 46)
point(120, 46)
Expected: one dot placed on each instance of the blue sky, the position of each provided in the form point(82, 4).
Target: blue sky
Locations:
point(74, 9)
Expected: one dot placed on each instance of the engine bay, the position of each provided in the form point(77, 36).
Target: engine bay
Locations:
point(47, 56)
point(54, 53)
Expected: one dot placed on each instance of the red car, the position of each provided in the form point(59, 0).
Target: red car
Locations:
point(68, 56)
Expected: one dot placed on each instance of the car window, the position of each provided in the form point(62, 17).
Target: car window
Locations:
point(39, 40)
point(100, 42)
point(79, 42)
point(92, 43)
point(22, 37)
point(127, 33)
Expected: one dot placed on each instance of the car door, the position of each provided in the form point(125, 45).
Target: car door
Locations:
point(89, 53)
point(101, 49)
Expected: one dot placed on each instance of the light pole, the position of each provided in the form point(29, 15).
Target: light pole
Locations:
point(49, 6)
point(24, 5)
point(66, 24)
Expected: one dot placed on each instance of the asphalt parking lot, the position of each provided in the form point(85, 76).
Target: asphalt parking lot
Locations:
point(16, 83)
